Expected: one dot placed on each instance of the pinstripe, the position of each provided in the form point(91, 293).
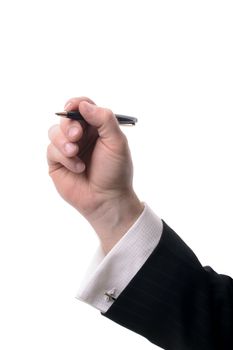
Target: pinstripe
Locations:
point(176, 303)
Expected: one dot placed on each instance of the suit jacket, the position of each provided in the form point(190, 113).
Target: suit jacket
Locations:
point(175, 302)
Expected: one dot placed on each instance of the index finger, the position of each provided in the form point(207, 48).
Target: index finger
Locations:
point(73, 103)
point(69, 126)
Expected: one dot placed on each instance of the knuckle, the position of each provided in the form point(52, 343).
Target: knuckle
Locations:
point(49, 151)
point(108, 113)
point(120, 141)
point(52, 131)
point(105, 113)
point(123, 140)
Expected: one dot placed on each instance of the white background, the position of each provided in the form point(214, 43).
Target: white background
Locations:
point(169, 63)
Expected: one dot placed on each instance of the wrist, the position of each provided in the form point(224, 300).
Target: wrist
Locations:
point(115, 217)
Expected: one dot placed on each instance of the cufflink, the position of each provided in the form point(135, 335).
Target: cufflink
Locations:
point(110, 295)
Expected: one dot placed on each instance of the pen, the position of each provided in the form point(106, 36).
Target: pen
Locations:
point(76, 115)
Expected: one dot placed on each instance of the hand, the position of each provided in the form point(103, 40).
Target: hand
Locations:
point(91, 167)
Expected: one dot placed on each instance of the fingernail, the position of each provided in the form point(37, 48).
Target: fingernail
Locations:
point(68, 106)
point(80, 167)
point(73, 131)
point(70, 148)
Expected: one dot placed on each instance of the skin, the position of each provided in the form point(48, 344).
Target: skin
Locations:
point(91, 167)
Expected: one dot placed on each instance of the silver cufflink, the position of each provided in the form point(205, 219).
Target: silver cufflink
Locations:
point(110, 295)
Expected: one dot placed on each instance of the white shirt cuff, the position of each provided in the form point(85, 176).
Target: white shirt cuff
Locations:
point(108, 275)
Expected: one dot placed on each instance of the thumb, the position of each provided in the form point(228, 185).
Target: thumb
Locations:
point(101, 118)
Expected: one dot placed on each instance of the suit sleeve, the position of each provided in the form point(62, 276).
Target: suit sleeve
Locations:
point(175, 302)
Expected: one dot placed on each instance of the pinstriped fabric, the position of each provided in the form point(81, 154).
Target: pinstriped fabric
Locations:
point(176, 303)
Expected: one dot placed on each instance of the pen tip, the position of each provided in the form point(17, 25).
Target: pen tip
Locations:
point(63, 114)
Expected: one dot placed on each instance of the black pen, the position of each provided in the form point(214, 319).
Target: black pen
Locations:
point(76, 115)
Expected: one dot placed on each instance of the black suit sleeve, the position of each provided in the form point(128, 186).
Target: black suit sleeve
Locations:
point(175, 302)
